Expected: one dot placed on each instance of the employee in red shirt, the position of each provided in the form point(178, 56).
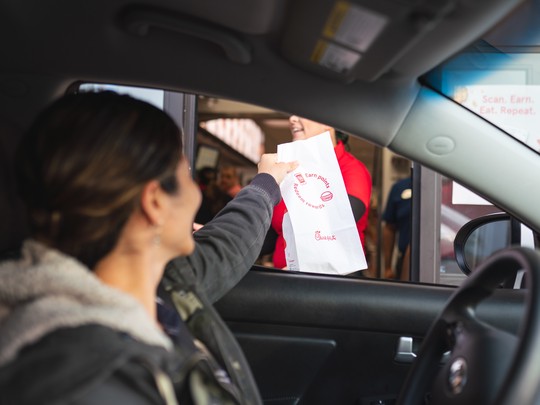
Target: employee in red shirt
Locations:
point(356, 177)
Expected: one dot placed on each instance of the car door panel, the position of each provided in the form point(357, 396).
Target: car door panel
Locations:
point(314, 339)
point(285, 366)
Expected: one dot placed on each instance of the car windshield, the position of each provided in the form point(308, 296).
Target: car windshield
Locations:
point(498, 77)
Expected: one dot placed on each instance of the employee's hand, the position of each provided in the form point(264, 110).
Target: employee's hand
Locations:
point(268, 164)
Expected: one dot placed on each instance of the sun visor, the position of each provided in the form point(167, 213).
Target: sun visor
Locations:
point(358, 40)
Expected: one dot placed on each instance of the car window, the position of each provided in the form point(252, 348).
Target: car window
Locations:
point(505, 92)
point(231, 137)
point(497, 78)
point(152, 96)
point(454, 204)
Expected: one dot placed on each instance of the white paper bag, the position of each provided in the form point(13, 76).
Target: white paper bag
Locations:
point(319, 227)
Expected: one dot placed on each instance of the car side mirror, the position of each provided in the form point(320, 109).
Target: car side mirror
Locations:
point(481, 237)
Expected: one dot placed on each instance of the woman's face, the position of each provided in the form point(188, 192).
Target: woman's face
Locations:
point(302, 128)
point(178, 227)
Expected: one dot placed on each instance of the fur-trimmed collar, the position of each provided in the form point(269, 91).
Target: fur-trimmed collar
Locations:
point(46, 290)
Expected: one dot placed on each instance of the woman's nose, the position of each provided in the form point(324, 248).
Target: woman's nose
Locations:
point(293, 118)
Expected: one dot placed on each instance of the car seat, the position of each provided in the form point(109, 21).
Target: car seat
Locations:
point(13, 225)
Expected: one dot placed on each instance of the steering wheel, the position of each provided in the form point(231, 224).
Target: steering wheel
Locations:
point(486, 365)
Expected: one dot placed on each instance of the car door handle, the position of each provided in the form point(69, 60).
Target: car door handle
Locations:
point(405, 351)
point(140, 21)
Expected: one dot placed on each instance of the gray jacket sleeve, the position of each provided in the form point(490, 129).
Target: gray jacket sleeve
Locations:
point(227, 246)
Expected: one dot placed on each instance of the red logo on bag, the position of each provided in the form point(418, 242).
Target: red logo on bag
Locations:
point(327, 196)
point(318, 236)
point(310, 182)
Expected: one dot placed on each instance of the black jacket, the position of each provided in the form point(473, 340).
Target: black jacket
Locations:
point(67, 338)
point(89, 364)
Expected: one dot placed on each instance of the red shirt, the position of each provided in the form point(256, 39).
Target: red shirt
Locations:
point(357, 181)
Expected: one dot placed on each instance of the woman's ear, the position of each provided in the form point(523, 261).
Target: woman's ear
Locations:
point(153, 203)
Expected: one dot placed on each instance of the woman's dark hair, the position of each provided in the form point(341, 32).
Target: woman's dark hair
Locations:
point(83, 164)
point(343, 137)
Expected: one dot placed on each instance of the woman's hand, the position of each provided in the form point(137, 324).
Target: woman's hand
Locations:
point(268, 164)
